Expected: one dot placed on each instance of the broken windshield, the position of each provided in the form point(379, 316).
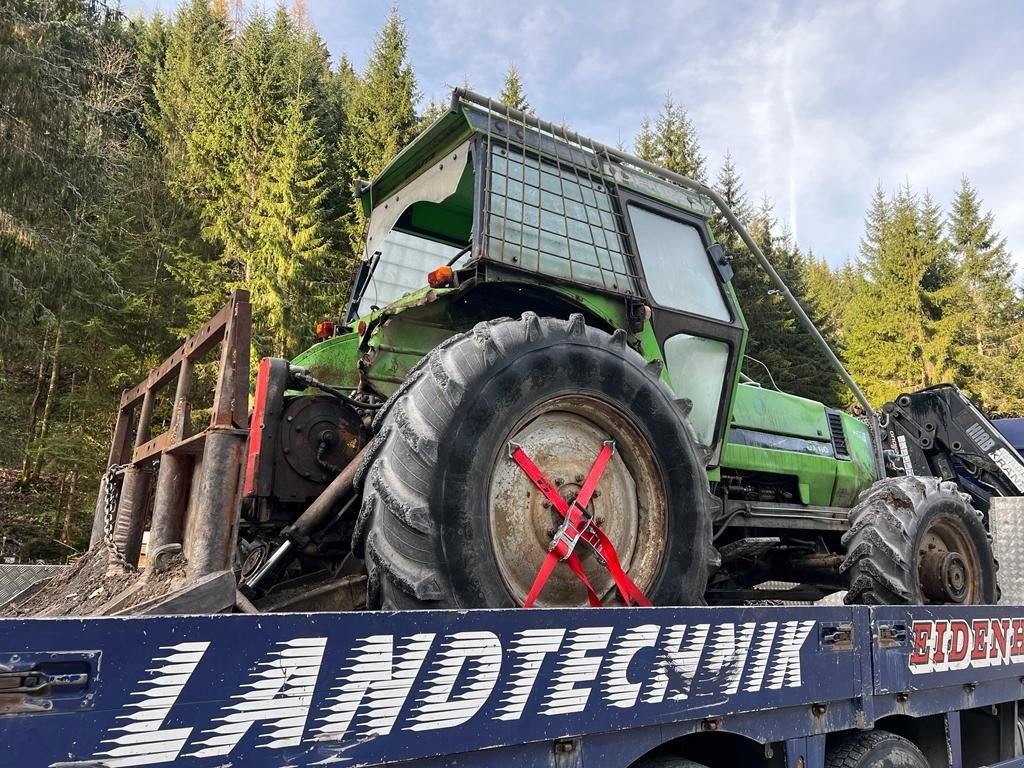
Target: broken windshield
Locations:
point(423, 226)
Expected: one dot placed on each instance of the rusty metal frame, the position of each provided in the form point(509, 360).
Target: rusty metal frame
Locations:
point(231, 325)
point(195, 469)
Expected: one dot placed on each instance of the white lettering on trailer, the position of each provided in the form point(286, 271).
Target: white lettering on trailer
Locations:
point(531, 645)
point(760, 657)
point(280, 693)
point(619, 690)
point(376, 680)
point(576, 666)
point(144, 741)
point(726, 653)
point(681, 654)
point(786, 670)
point(385, 679)
point(438, 707)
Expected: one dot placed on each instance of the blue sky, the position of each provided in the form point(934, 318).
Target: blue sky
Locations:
point(817, 102)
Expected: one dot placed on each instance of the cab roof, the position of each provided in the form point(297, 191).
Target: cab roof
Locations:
point(472, 115)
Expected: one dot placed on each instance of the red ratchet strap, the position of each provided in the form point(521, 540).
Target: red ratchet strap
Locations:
point(577, 525)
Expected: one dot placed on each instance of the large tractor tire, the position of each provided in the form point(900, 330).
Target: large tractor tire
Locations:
point(448, 520)
point(918, 540)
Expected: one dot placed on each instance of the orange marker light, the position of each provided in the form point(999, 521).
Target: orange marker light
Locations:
point(324, 329)
point(440, 277)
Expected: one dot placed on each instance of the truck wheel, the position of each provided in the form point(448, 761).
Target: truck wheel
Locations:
point(875, 749)
point(667, 762)
point(917, 540)
point(448, 520)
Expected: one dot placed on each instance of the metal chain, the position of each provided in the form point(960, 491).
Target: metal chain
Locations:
point(111, 498)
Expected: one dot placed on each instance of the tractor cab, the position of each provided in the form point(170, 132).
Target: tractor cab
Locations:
point(488, 214)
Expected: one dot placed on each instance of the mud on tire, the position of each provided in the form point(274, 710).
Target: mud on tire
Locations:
point(889, 529)
point(423, 527)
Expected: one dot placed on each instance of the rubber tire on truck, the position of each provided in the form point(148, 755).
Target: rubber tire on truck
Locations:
point(668, 762)
point(894, 526)
point(875, 749)
point(425, 527)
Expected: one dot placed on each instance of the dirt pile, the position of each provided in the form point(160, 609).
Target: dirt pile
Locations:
point(99, 584)
point(93, 580)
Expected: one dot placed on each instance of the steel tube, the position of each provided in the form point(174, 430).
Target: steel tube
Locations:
point(169, 500)
point(212, 528)
point(316, 517)
point(326, 505)
point(131, 511)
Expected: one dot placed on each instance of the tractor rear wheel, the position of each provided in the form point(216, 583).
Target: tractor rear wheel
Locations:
point(449, 520)
point(918, 540)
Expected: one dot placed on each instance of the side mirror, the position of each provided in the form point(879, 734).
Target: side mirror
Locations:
point(721, 261)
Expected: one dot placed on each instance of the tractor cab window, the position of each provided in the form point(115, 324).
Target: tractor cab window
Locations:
point(423, 226)
point(676, 265)
point(697, 367)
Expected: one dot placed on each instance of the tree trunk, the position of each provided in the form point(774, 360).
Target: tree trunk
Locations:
point(58, 508)
point(69, 509)
point(33, 409)
point(978, 333)
point(51, 399)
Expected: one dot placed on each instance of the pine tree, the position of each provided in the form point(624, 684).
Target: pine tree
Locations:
point(380, 115)
point(381, 112)
point(729, 185)
point(903, 318)
point(293, 224)
point(195, 130)
point(672, 143)
point(512, 94)
point(994, 311)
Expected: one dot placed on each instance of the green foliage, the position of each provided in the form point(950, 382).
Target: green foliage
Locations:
point(902, 320)
point(512, 93)
point(380, 115)
point(994, 314)
point(671, 142)
point(779, 349)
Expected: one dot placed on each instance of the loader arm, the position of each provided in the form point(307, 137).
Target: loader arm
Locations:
point(938, 431)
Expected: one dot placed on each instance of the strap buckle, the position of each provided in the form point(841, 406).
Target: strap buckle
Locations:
point(576, 525)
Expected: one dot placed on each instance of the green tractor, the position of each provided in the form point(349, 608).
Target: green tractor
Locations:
point(535, 397)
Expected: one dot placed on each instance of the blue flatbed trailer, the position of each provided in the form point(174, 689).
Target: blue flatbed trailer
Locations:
point(748, 686)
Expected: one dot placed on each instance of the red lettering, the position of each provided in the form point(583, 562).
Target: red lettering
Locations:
point(940, 636)
point(980, 649)
point(997, 649)
point(960, 634)
point(1018, 638)
point(922, 632)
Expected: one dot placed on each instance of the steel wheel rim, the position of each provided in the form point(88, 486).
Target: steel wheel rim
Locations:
point(948, 566)
point(563, 437)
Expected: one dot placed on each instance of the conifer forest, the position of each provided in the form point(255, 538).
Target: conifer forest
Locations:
point(149, 166)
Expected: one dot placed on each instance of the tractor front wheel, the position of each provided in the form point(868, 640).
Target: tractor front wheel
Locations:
point(449, 520)
point(918, 540)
